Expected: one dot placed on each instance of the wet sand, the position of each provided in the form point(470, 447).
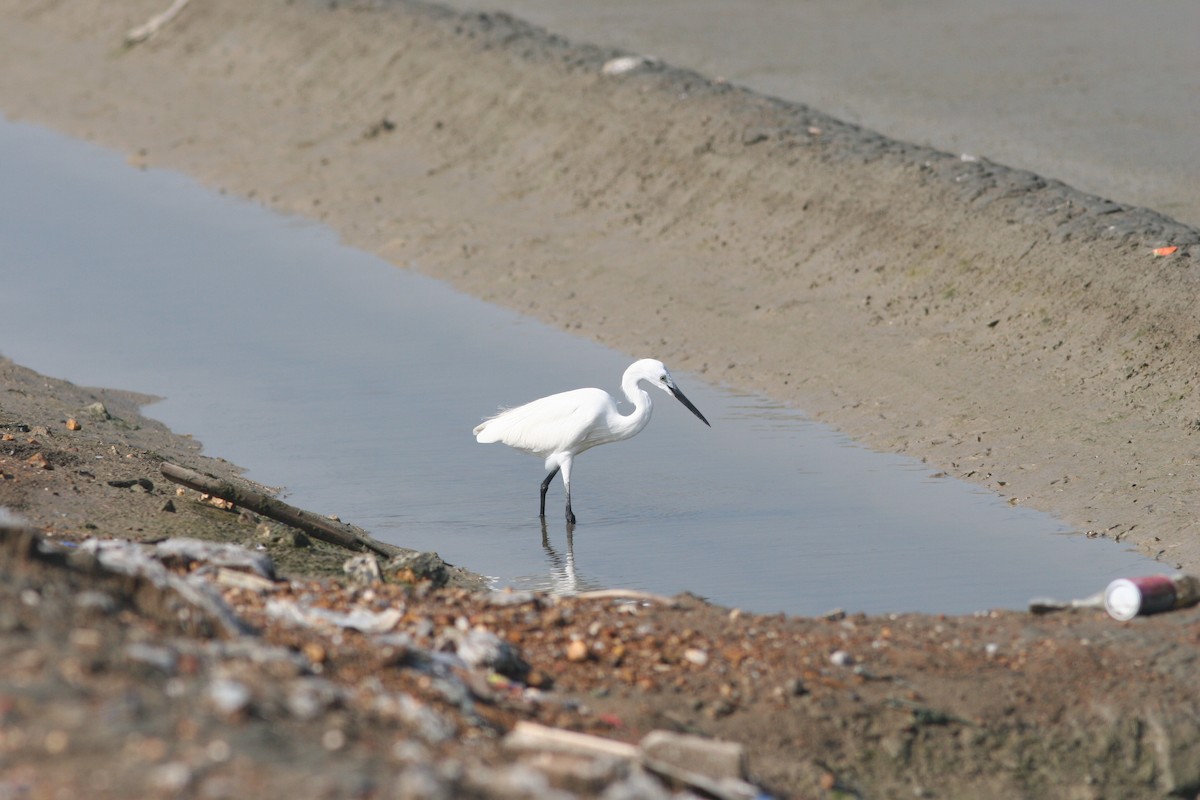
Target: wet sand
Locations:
point(1099, 95)
point(1005, 328)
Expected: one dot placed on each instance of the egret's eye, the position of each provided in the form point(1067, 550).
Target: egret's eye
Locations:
point(663, 378)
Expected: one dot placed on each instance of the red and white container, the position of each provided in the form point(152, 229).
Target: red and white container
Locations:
point(1126, 598)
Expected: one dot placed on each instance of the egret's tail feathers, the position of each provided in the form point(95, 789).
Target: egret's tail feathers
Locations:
point(490, 430)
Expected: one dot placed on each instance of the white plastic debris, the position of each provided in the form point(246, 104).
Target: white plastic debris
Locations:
point(359, 619)
point(624, 64)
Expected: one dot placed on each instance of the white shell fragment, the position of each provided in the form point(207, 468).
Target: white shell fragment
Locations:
point(623, 64)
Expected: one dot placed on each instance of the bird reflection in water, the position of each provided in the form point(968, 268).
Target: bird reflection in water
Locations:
point(564, 579)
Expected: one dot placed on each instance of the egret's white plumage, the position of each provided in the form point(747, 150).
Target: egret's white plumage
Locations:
point(562, 426)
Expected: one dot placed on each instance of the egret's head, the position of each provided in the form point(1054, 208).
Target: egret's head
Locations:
point(655, 372)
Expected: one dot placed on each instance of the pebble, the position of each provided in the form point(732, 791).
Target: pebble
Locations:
point(840, 658)
point(479, 647)
point(577, 651)
point(308, 698)
point(508, 597)
point(333, 740)
point(363, 569)
point(98, 410)
point(228, 696)
point(218, 751)
point(172, 777)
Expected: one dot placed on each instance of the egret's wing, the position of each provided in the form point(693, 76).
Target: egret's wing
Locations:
point(549, 425)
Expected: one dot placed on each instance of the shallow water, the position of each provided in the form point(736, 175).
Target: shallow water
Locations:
point(356, 384)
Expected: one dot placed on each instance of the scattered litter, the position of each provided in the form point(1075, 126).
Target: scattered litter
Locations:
point(215, 554)
point(1044, 605)
point(359, 619)
point(152, 655)
point(714, 768)
point(1165, 251)
point(624, 64)
point(129, 558)
point(713, 758)
point(228, 696)
point(1126, 598)
point(480, 648)
point(526, 736)
point(840, 658)
point(236, 579)
point(363, 569)
point(155, 24)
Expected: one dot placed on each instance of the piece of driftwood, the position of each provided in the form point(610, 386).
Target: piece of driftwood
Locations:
point(156, 23)
point(626, 594)
point(714, 768)
point(530, 736)
point(314, 525)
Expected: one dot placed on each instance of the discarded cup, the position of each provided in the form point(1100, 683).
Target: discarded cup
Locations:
point(1126, 598)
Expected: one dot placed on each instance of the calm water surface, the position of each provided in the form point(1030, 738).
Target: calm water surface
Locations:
point(355, 385)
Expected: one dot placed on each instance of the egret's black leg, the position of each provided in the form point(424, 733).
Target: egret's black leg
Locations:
point(545, 488)
point(565, 464)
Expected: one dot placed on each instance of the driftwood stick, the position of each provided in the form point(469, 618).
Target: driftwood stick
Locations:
point(156, 23)
point(315, 525)
point(530, 736)
point(625, 594)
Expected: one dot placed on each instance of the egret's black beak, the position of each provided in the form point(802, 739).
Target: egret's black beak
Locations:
point(683, 399)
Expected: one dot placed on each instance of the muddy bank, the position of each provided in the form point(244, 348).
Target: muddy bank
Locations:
point(1005, 328)
point(80, 462)
point(117, 682)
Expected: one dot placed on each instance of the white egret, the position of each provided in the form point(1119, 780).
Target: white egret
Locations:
point(562, 426)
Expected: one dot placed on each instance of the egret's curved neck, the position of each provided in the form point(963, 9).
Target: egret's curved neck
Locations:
point(628, 424)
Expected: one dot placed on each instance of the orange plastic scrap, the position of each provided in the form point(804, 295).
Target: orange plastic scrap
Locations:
point(1165, 251)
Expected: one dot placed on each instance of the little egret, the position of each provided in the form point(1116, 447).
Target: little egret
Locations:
point(562, 426)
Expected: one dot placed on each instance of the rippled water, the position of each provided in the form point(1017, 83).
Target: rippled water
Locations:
point(355, 384)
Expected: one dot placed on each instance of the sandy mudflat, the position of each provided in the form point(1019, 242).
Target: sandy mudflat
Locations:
point(1005, 328)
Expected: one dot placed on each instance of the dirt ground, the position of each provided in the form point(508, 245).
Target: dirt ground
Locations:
point(1004, 328)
